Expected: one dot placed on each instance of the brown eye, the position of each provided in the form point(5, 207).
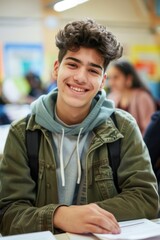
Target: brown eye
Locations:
point(93, 71)
point(72, 65)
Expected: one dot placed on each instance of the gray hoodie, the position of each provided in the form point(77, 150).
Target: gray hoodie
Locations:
point(70, 143)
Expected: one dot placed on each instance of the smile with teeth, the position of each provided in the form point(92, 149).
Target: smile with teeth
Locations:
point(76, 89)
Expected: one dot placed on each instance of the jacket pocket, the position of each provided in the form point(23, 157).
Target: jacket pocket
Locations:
point(104, 181)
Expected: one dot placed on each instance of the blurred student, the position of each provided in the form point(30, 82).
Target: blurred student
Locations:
point(75, 190)
point(129, 92)
point(152, 140)
point(35, 84)
point(4, 118)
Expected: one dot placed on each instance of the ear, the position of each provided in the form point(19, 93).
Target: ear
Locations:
point(55, 69)
point(103, 82)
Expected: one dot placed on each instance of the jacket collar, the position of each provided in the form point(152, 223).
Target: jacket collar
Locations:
point(105, 133)
point(32, 125)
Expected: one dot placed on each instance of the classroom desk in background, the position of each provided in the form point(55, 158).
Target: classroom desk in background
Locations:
point(14, 112)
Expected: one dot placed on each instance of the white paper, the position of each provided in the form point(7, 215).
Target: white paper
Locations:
point(134, 230)
point(72, 236)
point(46, 235)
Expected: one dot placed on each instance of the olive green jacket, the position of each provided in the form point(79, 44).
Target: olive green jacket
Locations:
point(25, 210)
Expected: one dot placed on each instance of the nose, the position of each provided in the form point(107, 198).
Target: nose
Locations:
point(80, 76)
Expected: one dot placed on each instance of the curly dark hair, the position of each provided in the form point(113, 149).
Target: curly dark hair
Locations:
point(87, 33)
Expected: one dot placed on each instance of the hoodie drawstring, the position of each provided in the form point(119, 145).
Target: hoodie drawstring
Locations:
point(61, 159)
point(78, 158)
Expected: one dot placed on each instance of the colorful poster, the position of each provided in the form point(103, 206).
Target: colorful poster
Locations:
point(146, 59)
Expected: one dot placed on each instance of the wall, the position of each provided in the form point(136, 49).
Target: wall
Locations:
point(34, 22)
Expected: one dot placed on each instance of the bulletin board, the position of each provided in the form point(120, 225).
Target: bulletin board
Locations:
point(22, 58)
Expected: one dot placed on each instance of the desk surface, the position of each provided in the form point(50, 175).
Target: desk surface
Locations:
point(62, 236)
point(66, 236)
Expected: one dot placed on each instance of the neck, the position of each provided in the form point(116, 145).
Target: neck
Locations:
point(127, 92)
point(71, 116)
point(125, 98)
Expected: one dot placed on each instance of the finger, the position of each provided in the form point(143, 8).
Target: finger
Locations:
point(105, 223)
point(92, 228)
point(108, 215)
point(108, 220)
point(111, 224)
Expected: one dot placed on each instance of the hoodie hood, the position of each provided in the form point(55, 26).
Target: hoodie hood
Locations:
point(45, 115)
point(44, 110)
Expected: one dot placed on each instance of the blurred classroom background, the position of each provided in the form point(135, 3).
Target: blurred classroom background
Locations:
point(28, 51)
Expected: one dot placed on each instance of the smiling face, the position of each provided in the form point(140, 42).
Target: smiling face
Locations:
point(80, 76)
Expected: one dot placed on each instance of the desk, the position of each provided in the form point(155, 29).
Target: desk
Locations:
point(66, 236)
point(62, 236)
point(15, 112)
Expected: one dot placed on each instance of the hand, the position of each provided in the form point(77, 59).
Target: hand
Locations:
point(88, 218)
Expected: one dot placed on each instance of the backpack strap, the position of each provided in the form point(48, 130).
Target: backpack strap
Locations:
point(114, 155)
point(32, 145)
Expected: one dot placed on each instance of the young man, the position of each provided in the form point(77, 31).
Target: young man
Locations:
point(76, 191)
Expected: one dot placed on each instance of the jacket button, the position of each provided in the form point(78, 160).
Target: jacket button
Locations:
point(40, 175)
point(48, 166)
point(47, 134)
point(48, 185)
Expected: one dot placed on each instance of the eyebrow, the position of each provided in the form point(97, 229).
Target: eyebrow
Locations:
point(79, 61)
